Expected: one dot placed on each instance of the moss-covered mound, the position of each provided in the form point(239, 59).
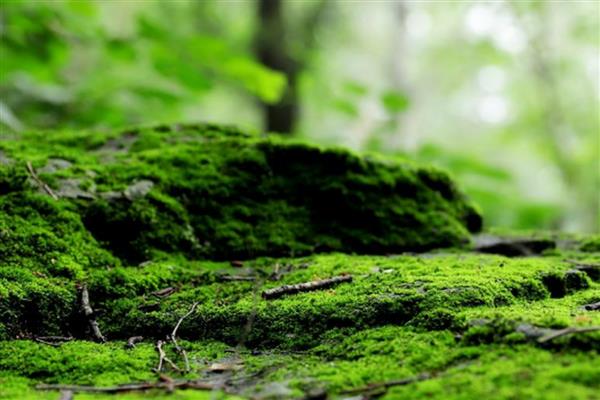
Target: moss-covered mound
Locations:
point(183, 229)
point(217, 193)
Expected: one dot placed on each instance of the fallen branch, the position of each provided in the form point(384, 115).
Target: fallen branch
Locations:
point(132, 387)
point(163, 357)
point(305, 287)
point(89, 313)
point(40, 183)
point(567, 331)
point(54, 341)
point(132, 341)
point(387, 384)
point(179, 349)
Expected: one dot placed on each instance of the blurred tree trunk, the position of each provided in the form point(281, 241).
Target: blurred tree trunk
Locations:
point(272, 52)
point(272, 40)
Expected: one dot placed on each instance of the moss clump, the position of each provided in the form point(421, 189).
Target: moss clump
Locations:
point(591, 244)
point(208, 192)
point(44, 252)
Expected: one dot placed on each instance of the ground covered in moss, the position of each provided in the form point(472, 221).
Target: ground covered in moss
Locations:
point(197, 222)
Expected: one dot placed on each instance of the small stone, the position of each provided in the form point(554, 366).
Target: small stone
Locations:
point(139, 189)
point(55, 164)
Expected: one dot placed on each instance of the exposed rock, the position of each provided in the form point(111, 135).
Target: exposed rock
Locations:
point(71, 188)
point(55, 164)
point(591, 306)
point(138, 189)
point(512, 246)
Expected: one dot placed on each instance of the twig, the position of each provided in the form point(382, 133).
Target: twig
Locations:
point(168, 380)
point(132, 341)
point(42, 341)
point(54, 341)
point(236, 278)
point(131, 387)
point(567, 331)
point(41, 183)
point(55, 338)
point(163, 357)
point(179, 349)
point(166, 292)
point(305, 287)
point(89, 313)
point(388, 384)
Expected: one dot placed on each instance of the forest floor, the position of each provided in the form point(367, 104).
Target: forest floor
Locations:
point(106, 293)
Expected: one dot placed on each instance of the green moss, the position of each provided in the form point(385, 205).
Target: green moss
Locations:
point(218, 193)
point(511, 373)
point(161, 208)
point(591, 244)
point(436, 292)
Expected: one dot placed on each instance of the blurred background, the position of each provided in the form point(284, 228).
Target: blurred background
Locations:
point(503, 94)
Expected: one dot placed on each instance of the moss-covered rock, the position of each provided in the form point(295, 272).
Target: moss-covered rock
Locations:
point(212, 192)
point(164, 222)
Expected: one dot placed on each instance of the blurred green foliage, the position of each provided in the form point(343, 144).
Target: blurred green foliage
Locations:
point(505, 95)
point(82, 63)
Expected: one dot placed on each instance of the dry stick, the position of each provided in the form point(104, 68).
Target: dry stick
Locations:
point(164, 292)
point(388, 384)
point(236, 278)
point(53, 344)
point(54, 341)
point(132, 341)
point(179, 349)
point(567, 331)
point(55, 338)
point(41, 183)
point(89, 313)
point(305, 287)
point(163, 357)
point(130, 387)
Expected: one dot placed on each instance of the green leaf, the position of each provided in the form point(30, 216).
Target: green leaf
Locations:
point(268, 85)
point(346, 107)
point(394, 101)
point(355, 88)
